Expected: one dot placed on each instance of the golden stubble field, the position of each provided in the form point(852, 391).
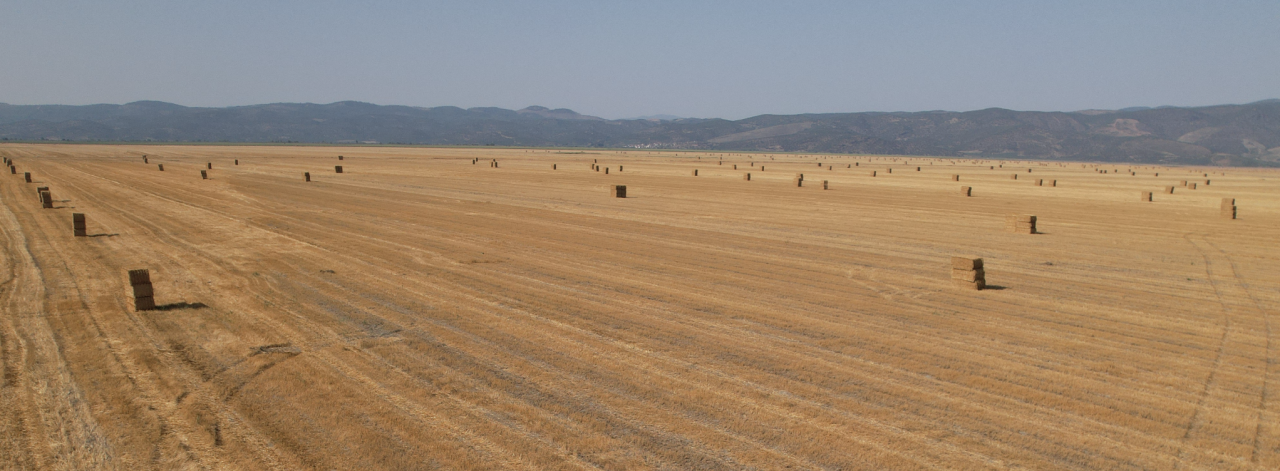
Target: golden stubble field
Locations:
point(420, 311)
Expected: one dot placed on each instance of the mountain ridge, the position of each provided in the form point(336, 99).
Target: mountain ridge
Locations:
point(1247, 134)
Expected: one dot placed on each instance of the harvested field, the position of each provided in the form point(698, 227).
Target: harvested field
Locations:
point(421, 311)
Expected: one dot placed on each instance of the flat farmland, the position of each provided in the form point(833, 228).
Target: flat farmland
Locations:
point(427, 310)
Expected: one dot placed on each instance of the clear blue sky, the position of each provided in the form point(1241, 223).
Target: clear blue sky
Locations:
point(615, 59)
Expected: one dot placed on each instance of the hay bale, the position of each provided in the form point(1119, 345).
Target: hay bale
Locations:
point(746, 177)
point(799, 176)
point(888, 170)
point(46, 200)
point(144, 303)
point(873, 173)
point(1039, 182)
point(619, 168)
point(1146, 196)
point(1053, 183)
point(955, 178)
point(337, 169)
point(1013, 176)
point(963, 263)
point(735, 166)
point(917, 169)
point(966, 191)
point(1191, 186)
point(161, 166)
point(1168, 189)
point(695, 172)
point(139, 277)
point(824, 185)
point(204, 174)
point(1020, 224)
point(144, 159)
point(799, 182)
point(968, 273)
point(606, 170)
point(339, 157)
point(306, 176)
point(40, 189)
point(27, 175)
point(1182, 183)
point(618, 191)
point(237, 161)
point(78, 225)
point(210, 164)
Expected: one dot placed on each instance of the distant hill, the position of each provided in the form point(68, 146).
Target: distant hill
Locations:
point(1239, 135)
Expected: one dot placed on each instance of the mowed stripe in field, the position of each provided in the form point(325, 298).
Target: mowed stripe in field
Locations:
point(514, 317)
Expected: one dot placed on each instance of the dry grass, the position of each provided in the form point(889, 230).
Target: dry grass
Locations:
point(425, 312)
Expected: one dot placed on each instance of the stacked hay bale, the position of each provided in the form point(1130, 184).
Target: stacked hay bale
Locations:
point(1013, 176)
point(27, 175)
point(967, 273)
point(553, 166)
point(1020, 224)
point(1039, 182)
point(78, 225)
point(1168, 189)
point(1053, 183)
point(339, 157)
point(1191, 186)
point(306, 176)
point(337, 169)
point(46, 200)
point(746, 176)
point(1146, 196)
point(695, 172)
point(873, 173)
point(618, 191)
point(204, 174)
point(13, 169)
point(143, 294)
point(966, 191)
point(799, 180)
point(955, 178)
point(40, 189)
point(144, 160)
point(1228, 208)
point(237, 161)
point(824, 185)
point(210, 164)
point(161, 166)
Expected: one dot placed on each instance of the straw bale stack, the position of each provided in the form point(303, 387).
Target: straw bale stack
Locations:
point(339, 157)
point(1013, 176)
point(873, 173)
point(46, 200)
point(337, 169)
point(695, 172)
point(1191, 186)
point(237, 161)
point(955, 178)
point(13, 170)
point(966, 191)
point(1228, 208)
point(78, 225)
point(824, 185)
point(143, 294)
point(553, 166)
point(161, 166)
point(606, 170)
point(618, 191)
point(40, 189)
point(1168, 189)
point(204, 174)
point(968, 273)
point(1020, 224)
point(210, 164)
point(1039, 182)
point(144, 160)
point(1053, 183)
point(1182, 183)
point(746, 176)
point(1146, 196)
point(27, 175)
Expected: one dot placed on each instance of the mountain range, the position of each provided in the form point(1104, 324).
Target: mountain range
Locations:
point(1232, 135)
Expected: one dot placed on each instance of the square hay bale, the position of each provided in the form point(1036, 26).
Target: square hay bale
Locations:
point(1146, 196)
point(970, 275)
point(799, 176)
point(1053, 183)
point(40, 189)
point(1039, 182)
point(144, 160)
point(955, 178)
point(1021, 224)
point(553, 166)
point(1168, 189)
point(161, 166)
point(237, 161)
point(46, 200)
point(873, 173)
point(204, 174)
point(746, 176)
point(618, 191)
point(889, 170)
point(144, 304)
point(695, 172)
point(27, 175)
point(1228, 203)
point(306, 176)
point(1013, 177)
point(799, 181)
point(1229, 213)
point(337, 169)
point(144, 290)
point(1191, 186)
point(339, 157)
point(965, 263)
point(77, 219)
point(824, 185)
point(210, 164)
point(139, 277)
point(1182, 183)
point(606, 170)
point(966, 191)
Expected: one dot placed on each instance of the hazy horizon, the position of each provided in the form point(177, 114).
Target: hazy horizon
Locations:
point(707, 60)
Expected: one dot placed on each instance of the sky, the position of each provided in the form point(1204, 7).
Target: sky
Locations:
point(616, 59)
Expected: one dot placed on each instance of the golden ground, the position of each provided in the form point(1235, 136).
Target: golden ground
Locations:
point(420, 311)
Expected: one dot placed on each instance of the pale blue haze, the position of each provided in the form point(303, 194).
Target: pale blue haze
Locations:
point(625, 59)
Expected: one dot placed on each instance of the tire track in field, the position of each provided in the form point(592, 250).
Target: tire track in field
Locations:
point(1266, 373)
